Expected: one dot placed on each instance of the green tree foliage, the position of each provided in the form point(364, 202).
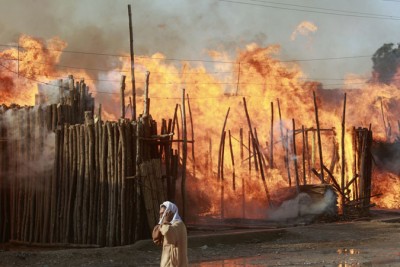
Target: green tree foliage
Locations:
point(385, 62)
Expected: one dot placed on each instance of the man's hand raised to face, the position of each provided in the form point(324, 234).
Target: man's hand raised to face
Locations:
point(168, 217)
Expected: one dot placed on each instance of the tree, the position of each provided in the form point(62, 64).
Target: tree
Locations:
point(385, 63)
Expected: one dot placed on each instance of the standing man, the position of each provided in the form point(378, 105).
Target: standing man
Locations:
point(171, 233)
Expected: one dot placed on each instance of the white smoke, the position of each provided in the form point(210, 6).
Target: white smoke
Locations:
point(303, 205)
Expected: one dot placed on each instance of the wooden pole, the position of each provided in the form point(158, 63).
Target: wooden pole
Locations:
point(220, 144)
point(132, 65)
point(122, 96)
point(146, 107)
point(287, 142)
point(233, 161)
point(241, 174)
point(284, 143)
point(321, 162)
point(384, 122)
point(296, 171)
point(271, 150)
point(343, 152)
point(222, 182)
point(184, 155)
point(192, 128)
point(304, 155)
point(257, 152)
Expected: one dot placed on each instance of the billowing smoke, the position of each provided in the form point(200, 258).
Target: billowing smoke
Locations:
point(27, 158)
point(303, 205)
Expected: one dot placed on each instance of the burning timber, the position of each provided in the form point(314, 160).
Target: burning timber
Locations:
point(68, 177)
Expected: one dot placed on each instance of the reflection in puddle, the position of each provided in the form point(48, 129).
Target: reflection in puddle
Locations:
point(348, 251)
point(241, 262)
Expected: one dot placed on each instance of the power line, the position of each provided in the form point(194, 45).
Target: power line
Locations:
point(199, 60)
point(311, 11)
point(329, 9)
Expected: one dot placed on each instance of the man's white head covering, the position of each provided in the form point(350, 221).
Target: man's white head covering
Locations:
point(169, 206)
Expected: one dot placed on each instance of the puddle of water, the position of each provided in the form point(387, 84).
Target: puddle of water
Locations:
point(348, 251)
point(240, 262)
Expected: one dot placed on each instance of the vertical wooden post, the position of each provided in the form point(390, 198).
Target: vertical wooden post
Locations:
point(296, 172)
point(184, 155)
point(321, 162)
point(257, 151)
point(304, 155)
point(233, 161)
point(192, 128)
point(241, 174)
point(384, 122)
point(220, 144)
point(343, 152)
point(271, 150)
point(146, 108)
point(132, 65)
point(285, 145)
point(222, 182)
point(122, 96)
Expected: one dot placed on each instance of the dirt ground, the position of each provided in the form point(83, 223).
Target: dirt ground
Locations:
point(359, 243)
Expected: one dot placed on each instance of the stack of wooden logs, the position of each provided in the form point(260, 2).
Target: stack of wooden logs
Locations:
point(92, 184)
point(359, 187)
point(73, 99)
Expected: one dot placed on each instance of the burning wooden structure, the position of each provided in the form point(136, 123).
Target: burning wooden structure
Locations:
point(304, 170)
point(68, 177)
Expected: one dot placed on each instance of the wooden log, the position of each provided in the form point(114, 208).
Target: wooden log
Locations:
point(122, 95)
point(233, 161)
point(285, 145)
point(146, 106)
point(138, 200)
point(343, 156)
point(257, 152)
point(384, 122)
point(54, 117)
point(249, 145)
point(321, 162)
point(114, 184)
point(184, 156)
point(85, 187)
point(103, 187)
point(92, 181)
point(121, 128)
point(192, 133)
point(304, 155)
point(118, 185)
point(296, 171)
point(222, 180)
point(176, 122)
point(97, 182)
point(262, 156)
point(271, 150)
point(110, 171)
point(220, 144)
point(54, 185)
point(242, 175)
point(132, 67)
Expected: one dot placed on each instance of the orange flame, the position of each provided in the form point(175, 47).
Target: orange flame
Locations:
point(256, 74)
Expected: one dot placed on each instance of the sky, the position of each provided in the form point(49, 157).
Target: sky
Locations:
point(188, 29)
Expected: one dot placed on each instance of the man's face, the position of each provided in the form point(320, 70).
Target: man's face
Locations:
point(162, 209)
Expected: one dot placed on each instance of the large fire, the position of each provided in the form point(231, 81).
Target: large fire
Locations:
point(256, 74)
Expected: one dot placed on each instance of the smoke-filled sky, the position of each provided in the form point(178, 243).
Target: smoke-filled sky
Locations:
point(188, 29)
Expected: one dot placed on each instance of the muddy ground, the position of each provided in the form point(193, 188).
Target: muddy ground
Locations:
point(375, 242)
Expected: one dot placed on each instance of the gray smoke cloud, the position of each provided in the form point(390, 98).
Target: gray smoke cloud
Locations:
point(34, 159)
point(303, 205)
point(187, 29)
